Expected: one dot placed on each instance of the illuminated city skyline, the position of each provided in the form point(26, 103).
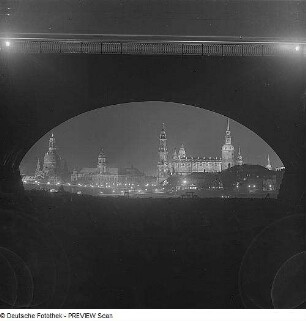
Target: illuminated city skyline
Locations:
point(129, 135)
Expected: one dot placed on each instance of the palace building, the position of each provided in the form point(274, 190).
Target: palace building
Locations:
point(102, 175)
point(108, 177)
point(181, 164)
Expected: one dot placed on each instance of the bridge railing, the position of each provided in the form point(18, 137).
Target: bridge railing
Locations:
point(27, 46)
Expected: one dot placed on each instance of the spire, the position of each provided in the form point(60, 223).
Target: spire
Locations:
point(228, 139)
point(269, 167)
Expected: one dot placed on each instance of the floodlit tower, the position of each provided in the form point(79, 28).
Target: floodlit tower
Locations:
point(52, 143)
point(239, 157)
point(228, 149)
point(102, 162)
point(163, 152)
point(268, 166)
point(162, 166)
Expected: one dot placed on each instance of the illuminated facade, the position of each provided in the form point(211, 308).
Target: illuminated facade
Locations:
point(181, 164)
point(102, 175)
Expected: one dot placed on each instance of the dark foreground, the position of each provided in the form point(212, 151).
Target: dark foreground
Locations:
point(76, 251)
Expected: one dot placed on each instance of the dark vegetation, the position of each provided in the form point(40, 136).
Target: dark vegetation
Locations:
point(88, 252)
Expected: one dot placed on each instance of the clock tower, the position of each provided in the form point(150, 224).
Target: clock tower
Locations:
point(228, 150)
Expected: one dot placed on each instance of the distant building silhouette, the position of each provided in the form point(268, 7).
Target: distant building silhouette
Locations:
point(250, 179)
point(131, 175)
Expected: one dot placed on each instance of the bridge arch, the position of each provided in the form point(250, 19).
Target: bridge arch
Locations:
point(267, 95)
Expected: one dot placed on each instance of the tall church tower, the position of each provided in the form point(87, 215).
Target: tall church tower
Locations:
point(162, 166)
point(228, 150)
point(102, 162)
point(52, 143)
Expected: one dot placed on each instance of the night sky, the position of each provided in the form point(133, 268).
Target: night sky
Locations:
point(285, 19)
point(129, 135)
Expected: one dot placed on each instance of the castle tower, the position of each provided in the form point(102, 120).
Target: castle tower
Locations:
point(182, 152)
point(162, 166)
point(102, 162)
point(239, 158)
point(268, 166)
point(228, 150)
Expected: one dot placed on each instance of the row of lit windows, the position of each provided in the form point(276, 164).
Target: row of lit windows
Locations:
point(198, 164)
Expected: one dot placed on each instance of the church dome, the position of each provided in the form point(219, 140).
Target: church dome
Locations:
point(52, 158)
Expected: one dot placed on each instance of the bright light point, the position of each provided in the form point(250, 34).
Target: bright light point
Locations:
point(297, 48)
point(7, 43)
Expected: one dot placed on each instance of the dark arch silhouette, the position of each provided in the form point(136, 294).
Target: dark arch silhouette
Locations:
point(267, 95)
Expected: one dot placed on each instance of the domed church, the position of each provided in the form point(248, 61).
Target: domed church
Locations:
point(54, 168)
